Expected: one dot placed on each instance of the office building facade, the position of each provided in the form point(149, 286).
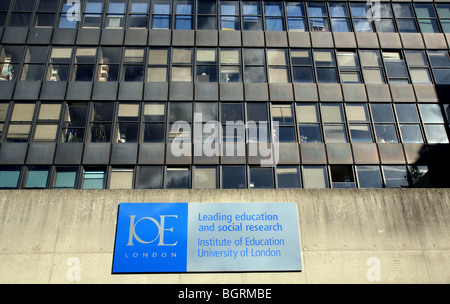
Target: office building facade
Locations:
point(116, 94)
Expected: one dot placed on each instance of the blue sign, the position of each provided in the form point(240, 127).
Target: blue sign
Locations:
point(207, 237)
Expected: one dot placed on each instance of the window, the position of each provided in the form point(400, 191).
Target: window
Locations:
point(20, 19)
point(37, 177)
point(66, 178)
point(205, 177)
point(348, 67)
point(10, 57)
point(302, 70)
point(258, 123)
point(127, 126)
point(206, 15)
point(295, 12)
point(58, 68)
point(260, 177)
point(440, 64)
point(108, 64)
point(277, 61)
point(230, 65)
point(233, 177)
point(404, 16)
point(75, 115)
point(232, 119)
point(369, 177)
point(342, 177)
point(383, 118)
point(20, 122)
point(115, 17)
point(101, 122)
point(184, 10)
point(426, 17)
point(409, 123)
point(443, 10)
point(157, 65)
point(45, 16)
point(9, 177)
point(433, 123)
point(69, 17)
point(4, 6)
point(339, 17)
point(371, 66)
point(395, 176)
point(154, 122)
point(161, 15)
point(83, 69)
point(273, 12)
point(288, 177)
point(133, 67)
point(251, 11)
point(149, 177)
point(315, 177)
point(418, 67)
point(308, 119)
point(47, 122)
point(178, 178)
point(254, 61)
point(360, 21)
point(94, 178)
point(181, 65)
point(283, 114)
point(395, 67)
point(93, 14)
point(358, 119)
point(33, 68)
point(325, 66)
point(334, 127)
point(138, 17)
point(208, 130)
point(121, 178)
point(180, 114)
point(229, 15)
point(318, 20)
point(385, 22)
point(206, 65)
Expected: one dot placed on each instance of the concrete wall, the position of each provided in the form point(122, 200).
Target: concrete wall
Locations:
point(347, 236)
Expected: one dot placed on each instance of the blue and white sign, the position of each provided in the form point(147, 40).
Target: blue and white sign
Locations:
point(207, 237)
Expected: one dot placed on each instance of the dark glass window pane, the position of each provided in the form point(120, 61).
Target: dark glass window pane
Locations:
point(302, 74)
point(206, 23)
point(385, 26)
point(9, 177)
point(66, 178)
point(24, 5)
point(178, 178)
point(286, 134)
point(342, 177)
point(207, 7)
point(139, 21)
point(252, 23)
point(403, 10)
point(382, 113)
point(369, 177)
point(206, 73)
point(133, 73)
point(154, 132)
point(261, 177)
point(179, 111)
point(4, 5)
point(386, 133)
point(48, 5)
point(406, 26)
point(93, 179)
point(37, 177)
point(127, 132)
point(288, 177)
point(233, 177)
point(150, 177)
point(310, 133)
point(407, 113)
point(83, 72)
point(231, 112)
point(442, 76)
point(360, 133)
point(20, 19)
point(395, 176)
point(32, 72)
point(101, 132)
point(45, 20)
point(255, 74)
point(326, 75)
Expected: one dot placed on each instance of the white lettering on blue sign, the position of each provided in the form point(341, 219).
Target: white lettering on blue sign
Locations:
point(207, 237)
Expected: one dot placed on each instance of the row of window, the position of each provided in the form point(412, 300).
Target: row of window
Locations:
point(213, 177)
point(232, 15)
point(166, 122)
point(223, 64)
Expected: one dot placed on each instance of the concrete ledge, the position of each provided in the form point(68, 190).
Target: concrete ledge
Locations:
point(405, 229)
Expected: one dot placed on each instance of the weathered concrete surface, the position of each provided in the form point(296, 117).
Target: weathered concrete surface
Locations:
point(405, 231)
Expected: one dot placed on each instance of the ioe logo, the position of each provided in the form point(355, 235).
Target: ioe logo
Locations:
point(160, 228)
